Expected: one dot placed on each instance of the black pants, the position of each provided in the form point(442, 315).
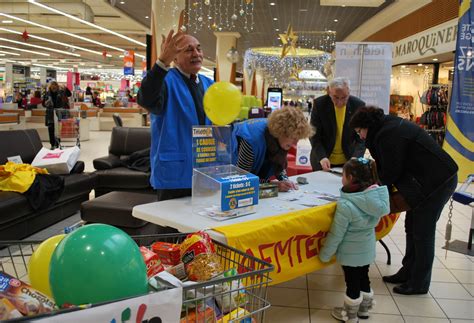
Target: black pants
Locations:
point(52, 138)
point(357, 280)
point(420, 229)
point(169, 194)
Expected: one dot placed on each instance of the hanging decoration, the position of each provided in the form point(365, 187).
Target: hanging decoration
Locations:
point(295, 72)
point(289, 41)
point(278, 71)
point(322, 40)
point(104, 54)
point(25, 35)
point(220, 15)
point(232, 55)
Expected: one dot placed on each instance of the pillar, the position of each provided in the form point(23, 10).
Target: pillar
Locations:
point(165, 15)
point(225, 70)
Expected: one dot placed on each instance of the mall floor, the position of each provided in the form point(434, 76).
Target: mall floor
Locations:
point(310, 298)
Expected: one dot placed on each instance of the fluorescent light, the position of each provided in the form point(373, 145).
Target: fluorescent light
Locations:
point(420, 64)
point(38, 46)
point(51, 66)
point(7, 21)
point(9, 53)
point(435, 59)
point(122, 2)
point(66, 33)
point(86, 22)
point(335, 20)
point(146, 17)
point(25, 50)
point(55, 42)
point(275, 19)
point(272, 3)
point(278, 29)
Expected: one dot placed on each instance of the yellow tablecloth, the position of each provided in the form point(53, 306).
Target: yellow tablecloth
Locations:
point(291, 241)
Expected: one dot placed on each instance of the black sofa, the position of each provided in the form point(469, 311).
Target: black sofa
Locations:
point(17, 219)
point(112, 174)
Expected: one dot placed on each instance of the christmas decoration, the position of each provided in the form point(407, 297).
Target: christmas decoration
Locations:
point(25, 35)
point(289, 41)
point(232, 55)
point(267, 61)
point(104, 54)
point(295, 72)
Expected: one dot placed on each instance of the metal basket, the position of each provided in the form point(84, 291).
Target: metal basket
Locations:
point(249, 284)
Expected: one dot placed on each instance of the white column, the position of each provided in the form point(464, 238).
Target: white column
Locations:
point(225, 70)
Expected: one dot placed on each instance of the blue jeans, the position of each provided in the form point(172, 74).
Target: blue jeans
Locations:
point(420, 229)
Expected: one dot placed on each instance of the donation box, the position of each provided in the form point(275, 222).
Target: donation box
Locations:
point(220, 190)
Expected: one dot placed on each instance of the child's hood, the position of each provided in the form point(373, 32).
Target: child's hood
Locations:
point(374, 201)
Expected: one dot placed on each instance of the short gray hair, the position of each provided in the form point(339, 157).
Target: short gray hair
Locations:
point(339, 83)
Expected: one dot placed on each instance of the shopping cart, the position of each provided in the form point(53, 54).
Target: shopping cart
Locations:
point(251, 280)
point(67, 122)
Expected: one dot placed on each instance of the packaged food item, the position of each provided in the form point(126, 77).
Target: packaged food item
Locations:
point(199, 316)
point(233, 294)
point(235, 316)
point(178, 271)
point(27, 300)
point(153, 263)
point(199, 257)
point(168, 253)
point(8, 310)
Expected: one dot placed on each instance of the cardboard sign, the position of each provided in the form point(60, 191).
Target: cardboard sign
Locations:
point(164, 306)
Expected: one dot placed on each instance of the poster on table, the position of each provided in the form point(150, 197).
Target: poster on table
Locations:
point(129, 62)
point(368, 67)
point(163, 306)
point(459, 140)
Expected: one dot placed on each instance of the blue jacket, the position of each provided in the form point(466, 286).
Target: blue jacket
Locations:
point(252, 131)
point(171, 138)
point(352, 234)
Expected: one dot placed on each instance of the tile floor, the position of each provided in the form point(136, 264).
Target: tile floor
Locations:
point(311, 297)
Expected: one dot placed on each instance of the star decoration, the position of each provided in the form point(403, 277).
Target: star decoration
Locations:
point(295, 72)
point(25, 35)
point(289, 41)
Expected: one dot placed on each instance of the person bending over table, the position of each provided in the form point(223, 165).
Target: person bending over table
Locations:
point(409, 160)
point(174, 96)
point(260, 146)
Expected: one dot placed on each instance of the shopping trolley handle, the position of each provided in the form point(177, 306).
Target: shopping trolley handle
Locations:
point(462, 196)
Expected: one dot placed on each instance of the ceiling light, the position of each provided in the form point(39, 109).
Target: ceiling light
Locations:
point(7, 21)
point(38, 46)
point(403, 66)
point(9, 53)
point(122, 2)
point(99, 66)
point(86, 22)
point(275, 19)
point(435, 59)
point(420, 64)
point(278, 29)
point(272, 3)
point(303, 10)
point(25, 50)
point(146, 17)
point(51, 66)
point(55, 42)
point(66, 33)
point(343, 6)
point(335, 20)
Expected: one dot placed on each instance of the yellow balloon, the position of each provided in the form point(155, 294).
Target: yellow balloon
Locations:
point(222, 103)
point(38, 266)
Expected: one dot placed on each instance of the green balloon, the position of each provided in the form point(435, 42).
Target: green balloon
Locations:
point(96, 263)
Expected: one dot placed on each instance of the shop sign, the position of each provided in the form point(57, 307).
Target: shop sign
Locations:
point(129, 62)
point(437, 40)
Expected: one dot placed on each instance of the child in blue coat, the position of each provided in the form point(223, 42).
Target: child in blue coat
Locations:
point(352, 235)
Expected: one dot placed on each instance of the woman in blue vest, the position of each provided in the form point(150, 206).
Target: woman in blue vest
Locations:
point(261, 145)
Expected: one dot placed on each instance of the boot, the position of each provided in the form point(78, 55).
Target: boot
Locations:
point(367, 304)
point(348, 313)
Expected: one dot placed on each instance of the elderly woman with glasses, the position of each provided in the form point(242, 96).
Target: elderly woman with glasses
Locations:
point(412, 163)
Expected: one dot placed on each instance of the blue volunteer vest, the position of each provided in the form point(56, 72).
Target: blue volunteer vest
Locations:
point(171, 135)
point(252, 131)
